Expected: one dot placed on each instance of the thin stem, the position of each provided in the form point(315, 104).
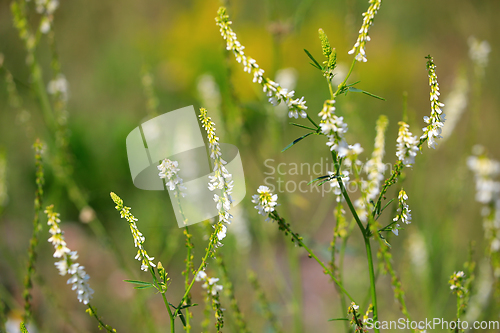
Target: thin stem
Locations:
point(342, 85)
point(91, 310)
point(167, 305)
point(373, 291)
point(286, 227)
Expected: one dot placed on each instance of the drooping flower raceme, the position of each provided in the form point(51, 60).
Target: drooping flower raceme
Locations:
point(437, 118)
point(68, 265)
point(139, 239)
point(274, 91)
point(169, 171)
point(265, 200)
point(334, 128)
point(403, 211)
point(363, 37)
point(221, 180)
point(407, 145)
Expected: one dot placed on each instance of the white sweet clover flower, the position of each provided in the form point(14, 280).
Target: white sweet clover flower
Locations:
point(437, 118)
point(488, 193)
point(375, 169)
point(59, 86)
point(334, 128)
point(221, 180)
point(407, 145)
point(169, 171)
point(334, 184)
point(363, 37)
point(265, 200)
point(139, 239)
point(275, 92)
point(47, 9)
point(479, 52)
point(68, 265)
point(209, 284)
point(403, 211)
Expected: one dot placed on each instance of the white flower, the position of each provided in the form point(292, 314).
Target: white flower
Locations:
point(478, 52)
point(221, 180)
point(437, 118)
point(139, 239)
point(59, 86)
point(265, 200)
point(68, 264)
point(334, 184)
point(209, 283)
point(363, 37)
point(334, 128)
point(169, 171)
point(403, 211)
point(407, 145)
point(274, 91)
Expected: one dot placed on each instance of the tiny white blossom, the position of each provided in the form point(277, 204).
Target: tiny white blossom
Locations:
point(403, 211)
point(407, 145)
point(265, 200)
point(363, 37)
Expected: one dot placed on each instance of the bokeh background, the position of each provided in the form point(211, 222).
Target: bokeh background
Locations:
point(105, 48)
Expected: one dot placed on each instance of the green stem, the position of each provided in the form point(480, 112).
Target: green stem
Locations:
point(286, 227)
point(167, 305)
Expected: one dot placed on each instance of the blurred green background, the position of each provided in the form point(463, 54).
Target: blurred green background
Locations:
point(105, 47)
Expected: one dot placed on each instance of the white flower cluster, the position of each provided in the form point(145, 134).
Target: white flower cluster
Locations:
point(265, 200)
point(59, 86)
point(488, 193)
point(47, 9)
point(334, 184)
point(437, 118)
point(479, 51)
point(169, 171)
point(67, 265)
point(407, 145)
point(274, 91)
point(209, 284)
point(222, 179)
point(403, 211)
point(363, 32)
point(334, 128)
point(139, 239)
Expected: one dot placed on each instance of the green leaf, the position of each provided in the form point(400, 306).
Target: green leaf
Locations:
point(23, 328)
point(335, 319)
point(387, 204)
point(365, 92)
point(297, 140)
point(316, 179)
point(143, 283)
point(303, 126)
point(316, 64)
point(144, 287)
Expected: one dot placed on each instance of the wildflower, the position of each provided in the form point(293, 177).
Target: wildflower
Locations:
point(139, 239)
point(403, 211)
point(169, 171)
point(457, 284)
point(363, 37)
point(274, 91)
point(68, 265)
point(456, 103)
point(209, 284)
point(478, 52)
point(221, 179)
point(407, 145)
point(334, 184)
point(47, 7)
point(334, 128)
point(485, 170)
point(375, 169)
point(59, 86)
point(437, 118)
point(265, 200)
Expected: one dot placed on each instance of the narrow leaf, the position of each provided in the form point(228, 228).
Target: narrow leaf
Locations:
point(365, 92)
point(316, 64)
point(335, 319)
point(297, 140)
point(316, 179)
point(144, 287)
point(138, 282)
point(303, 126)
